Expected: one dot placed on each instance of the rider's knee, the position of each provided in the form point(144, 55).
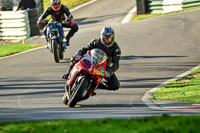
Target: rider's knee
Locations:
point(115, 86)
point(75, 27)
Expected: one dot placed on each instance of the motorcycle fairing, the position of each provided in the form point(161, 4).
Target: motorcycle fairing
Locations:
point(55, 28)
point(85, 64)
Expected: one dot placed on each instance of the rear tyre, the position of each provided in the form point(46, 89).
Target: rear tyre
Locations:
point(76, 94)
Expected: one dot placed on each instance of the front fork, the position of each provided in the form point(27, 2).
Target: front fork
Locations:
point(88, 90)
point(69, 89)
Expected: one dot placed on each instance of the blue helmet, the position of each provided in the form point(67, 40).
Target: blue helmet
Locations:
point(107, 36)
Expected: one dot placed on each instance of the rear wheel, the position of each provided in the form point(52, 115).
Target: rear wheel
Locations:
point(76, 94)
point(56, 51)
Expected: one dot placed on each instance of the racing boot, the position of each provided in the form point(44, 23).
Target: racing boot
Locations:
point(65, 76)
point(68, 37)
point(103, 85)
point(67, 42)
point(94, 93)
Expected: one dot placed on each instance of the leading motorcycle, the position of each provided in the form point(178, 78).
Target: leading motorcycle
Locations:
point(85, 77)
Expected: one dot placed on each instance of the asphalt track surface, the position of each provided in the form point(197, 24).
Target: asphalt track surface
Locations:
point(153, 51)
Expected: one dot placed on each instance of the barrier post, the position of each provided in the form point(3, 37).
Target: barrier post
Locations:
point(142, 7)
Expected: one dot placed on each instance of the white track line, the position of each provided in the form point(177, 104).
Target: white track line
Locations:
point(129, 16)
point(148, 96)
point(21, 52)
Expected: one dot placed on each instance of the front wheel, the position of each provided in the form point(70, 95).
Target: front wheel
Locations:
point(65, 97)
point(56, 50)
point(77, 92)
point(61, 52)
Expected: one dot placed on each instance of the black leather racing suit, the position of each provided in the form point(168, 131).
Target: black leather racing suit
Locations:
point(113, 53)
point(61, 15)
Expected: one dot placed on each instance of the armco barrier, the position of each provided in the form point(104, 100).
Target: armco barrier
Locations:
point(142, 6)
point(164, 6)
point(190, 3)
point(21, 24)
point(14, 25)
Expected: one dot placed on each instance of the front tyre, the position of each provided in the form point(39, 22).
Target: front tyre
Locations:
point(65, 99)
point(61, 52)
point(76, 94)
point(56, 50)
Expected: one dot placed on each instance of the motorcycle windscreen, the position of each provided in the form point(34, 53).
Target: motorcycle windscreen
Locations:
point(98, 56)
point(86, 63)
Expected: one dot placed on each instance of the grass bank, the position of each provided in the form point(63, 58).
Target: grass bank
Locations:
point(155, 124)
point(15, 48)
point(186, 89)
point(68, 3)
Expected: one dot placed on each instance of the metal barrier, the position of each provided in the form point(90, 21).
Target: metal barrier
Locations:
point(14, 25)
point(142, 6)
point(190, 3)
point(165, 6)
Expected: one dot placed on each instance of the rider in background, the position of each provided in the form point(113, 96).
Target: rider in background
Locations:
point(107, 43)
point(58, 13)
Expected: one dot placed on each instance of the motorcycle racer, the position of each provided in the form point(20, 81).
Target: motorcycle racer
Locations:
point(58, 13)
point(107, 43)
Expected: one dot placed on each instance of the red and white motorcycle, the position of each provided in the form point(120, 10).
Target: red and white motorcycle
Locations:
point(85, 77)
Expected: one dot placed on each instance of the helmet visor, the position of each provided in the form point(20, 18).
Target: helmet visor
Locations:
point(56, 5)
point(108, 40)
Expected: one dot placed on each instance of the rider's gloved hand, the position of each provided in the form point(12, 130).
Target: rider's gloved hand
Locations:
point(108, 73)
point(77, 57)
point(65, 76)
point(40, 22)
point(68, 19)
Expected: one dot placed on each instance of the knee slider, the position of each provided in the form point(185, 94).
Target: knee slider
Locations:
point(75, 27)
point(115, 87)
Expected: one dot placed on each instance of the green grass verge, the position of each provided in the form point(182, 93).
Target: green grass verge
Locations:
point(68, 3)
point(16, 48)
point(145, 16)
point(154, 124)
point(186, 89)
